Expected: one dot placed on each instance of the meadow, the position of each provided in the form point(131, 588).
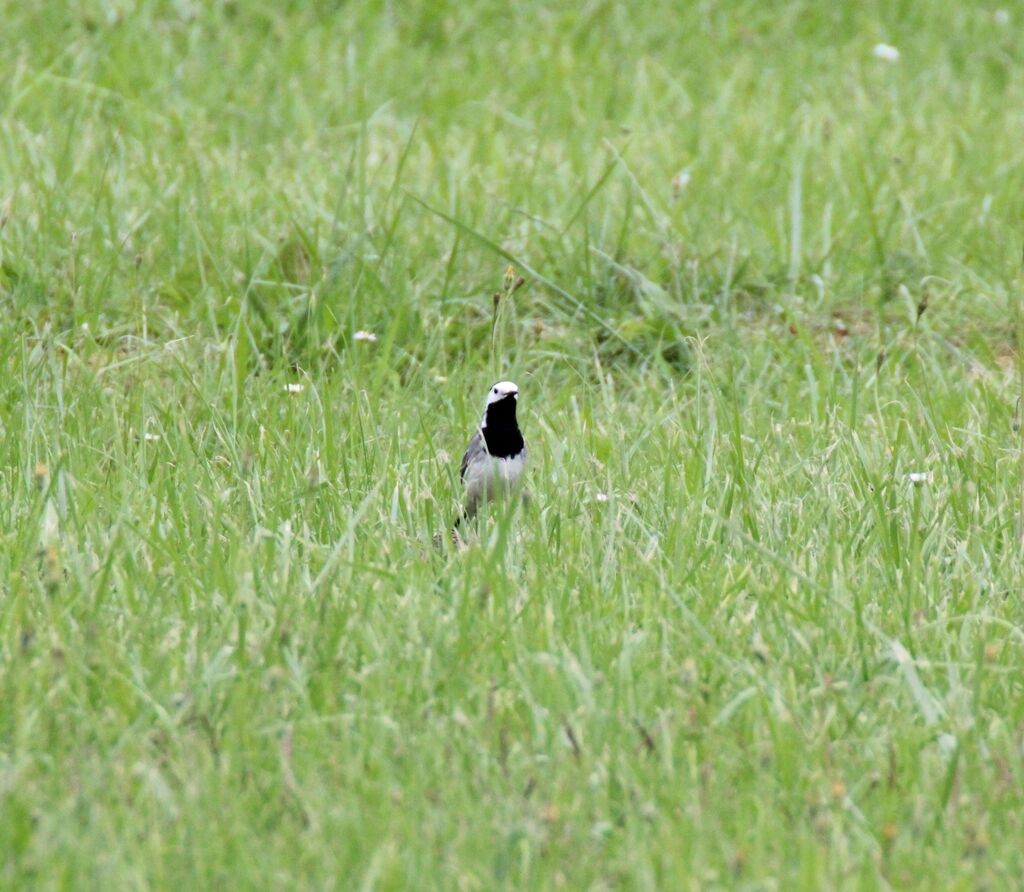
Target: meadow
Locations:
point(761, 625)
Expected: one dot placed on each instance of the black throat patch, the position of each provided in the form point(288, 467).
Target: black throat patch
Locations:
point(501, 430)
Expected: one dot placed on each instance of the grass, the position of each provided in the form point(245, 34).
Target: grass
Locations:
point(731, 642)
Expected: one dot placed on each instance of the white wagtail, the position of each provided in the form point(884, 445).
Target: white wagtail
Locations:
point(496, 455)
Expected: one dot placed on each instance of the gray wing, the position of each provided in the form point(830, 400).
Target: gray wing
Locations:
point(474, 450)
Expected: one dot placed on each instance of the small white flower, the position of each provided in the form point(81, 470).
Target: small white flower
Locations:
point(1002, 17)
point(919, 477)
point(680, 181)
point(364, 336)
point(886, 53)
point(601, 497)
point(49, 531)
point(294, 388)
point(150, 437)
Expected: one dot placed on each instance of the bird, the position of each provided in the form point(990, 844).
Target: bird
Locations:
point(496, 456)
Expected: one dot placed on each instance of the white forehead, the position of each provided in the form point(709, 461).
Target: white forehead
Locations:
point(500, 391)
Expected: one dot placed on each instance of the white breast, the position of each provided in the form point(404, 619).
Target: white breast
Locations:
point(489, 476)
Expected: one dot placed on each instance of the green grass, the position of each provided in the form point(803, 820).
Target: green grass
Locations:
point(729, 644)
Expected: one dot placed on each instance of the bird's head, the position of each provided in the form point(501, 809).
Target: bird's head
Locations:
point(501, 404)
point(503, 390)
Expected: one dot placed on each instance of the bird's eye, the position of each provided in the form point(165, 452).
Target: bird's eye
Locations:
point(495, 389)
